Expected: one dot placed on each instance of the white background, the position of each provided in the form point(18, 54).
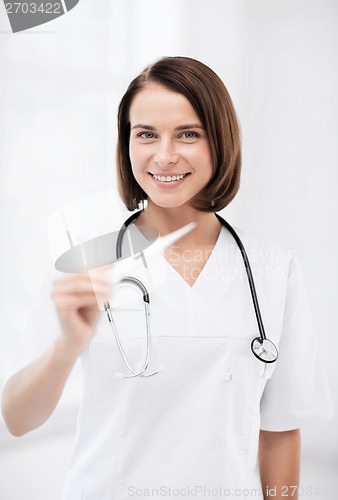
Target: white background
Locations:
point(60, 87)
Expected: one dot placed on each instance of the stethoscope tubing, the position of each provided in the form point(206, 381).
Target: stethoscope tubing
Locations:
point(122, 231)
point(249, 275)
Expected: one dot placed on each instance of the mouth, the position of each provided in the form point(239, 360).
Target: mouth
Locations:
point(169, 178)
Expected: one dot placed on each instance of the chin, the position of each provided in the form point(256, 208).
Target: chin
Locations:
point(168, 204)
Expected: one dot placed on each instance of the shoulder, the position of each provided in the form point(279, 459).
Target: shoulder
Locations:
point(261, 251)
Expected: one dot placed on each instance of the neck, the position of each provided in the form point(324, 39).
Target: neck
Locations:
point(166, 220)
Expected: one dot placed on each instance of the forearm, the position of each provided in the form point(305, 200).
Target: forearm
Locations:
point(279, 456)
point(31, 395)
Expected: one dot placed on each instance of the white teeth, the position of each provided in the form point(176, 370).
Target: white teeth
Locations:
point(169, 178)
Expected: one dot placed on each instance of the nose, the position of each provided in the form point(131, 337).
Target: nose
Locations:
point(165, 154)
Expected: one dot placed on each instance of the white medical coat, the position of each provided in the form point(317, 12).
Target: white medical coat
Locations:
point(193, 429)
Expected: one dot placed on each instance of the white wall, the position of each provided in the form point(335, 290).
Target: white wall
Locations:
point(59, 90)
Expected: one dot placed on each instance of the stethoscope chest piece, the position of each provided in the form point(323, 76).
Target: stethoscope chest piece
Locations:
point(264, 349)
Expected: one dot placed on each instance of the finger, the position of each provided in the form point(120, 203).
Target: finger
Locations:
point(76, 297)
point(76, 302)
point(83, 285)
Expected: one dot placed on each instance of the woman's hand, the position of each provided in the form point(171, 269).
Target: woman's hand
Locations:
point(31, 395)
point(76, 298)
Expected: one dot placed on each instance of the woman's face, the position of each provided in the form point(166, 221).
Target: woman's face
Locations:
point(169, 149)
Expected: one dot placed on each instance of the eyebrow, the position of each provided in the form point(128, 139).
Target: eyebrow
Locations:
point(181, 127)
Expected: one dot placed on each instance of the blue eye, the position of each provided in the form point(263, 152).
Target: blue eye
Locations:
point(190, 135)
point(146, 135)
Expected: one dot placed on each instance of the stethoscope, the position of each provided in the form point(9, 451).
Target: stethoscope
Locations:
point(261, 347)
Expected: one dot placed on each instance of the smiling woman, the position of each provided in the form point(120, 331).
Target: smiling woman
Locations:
point(172, 163)
point(179, 109)
point(208, 412)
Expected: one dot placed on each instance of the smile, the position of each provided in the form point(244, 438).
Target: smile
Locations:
point(169, 178)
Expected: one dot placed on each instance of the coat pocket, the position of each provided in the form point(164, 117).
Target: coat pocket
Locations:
point(246, 381)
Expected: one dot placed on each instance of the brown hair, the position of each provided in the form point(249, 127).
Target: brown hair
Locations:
point(212, 103)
